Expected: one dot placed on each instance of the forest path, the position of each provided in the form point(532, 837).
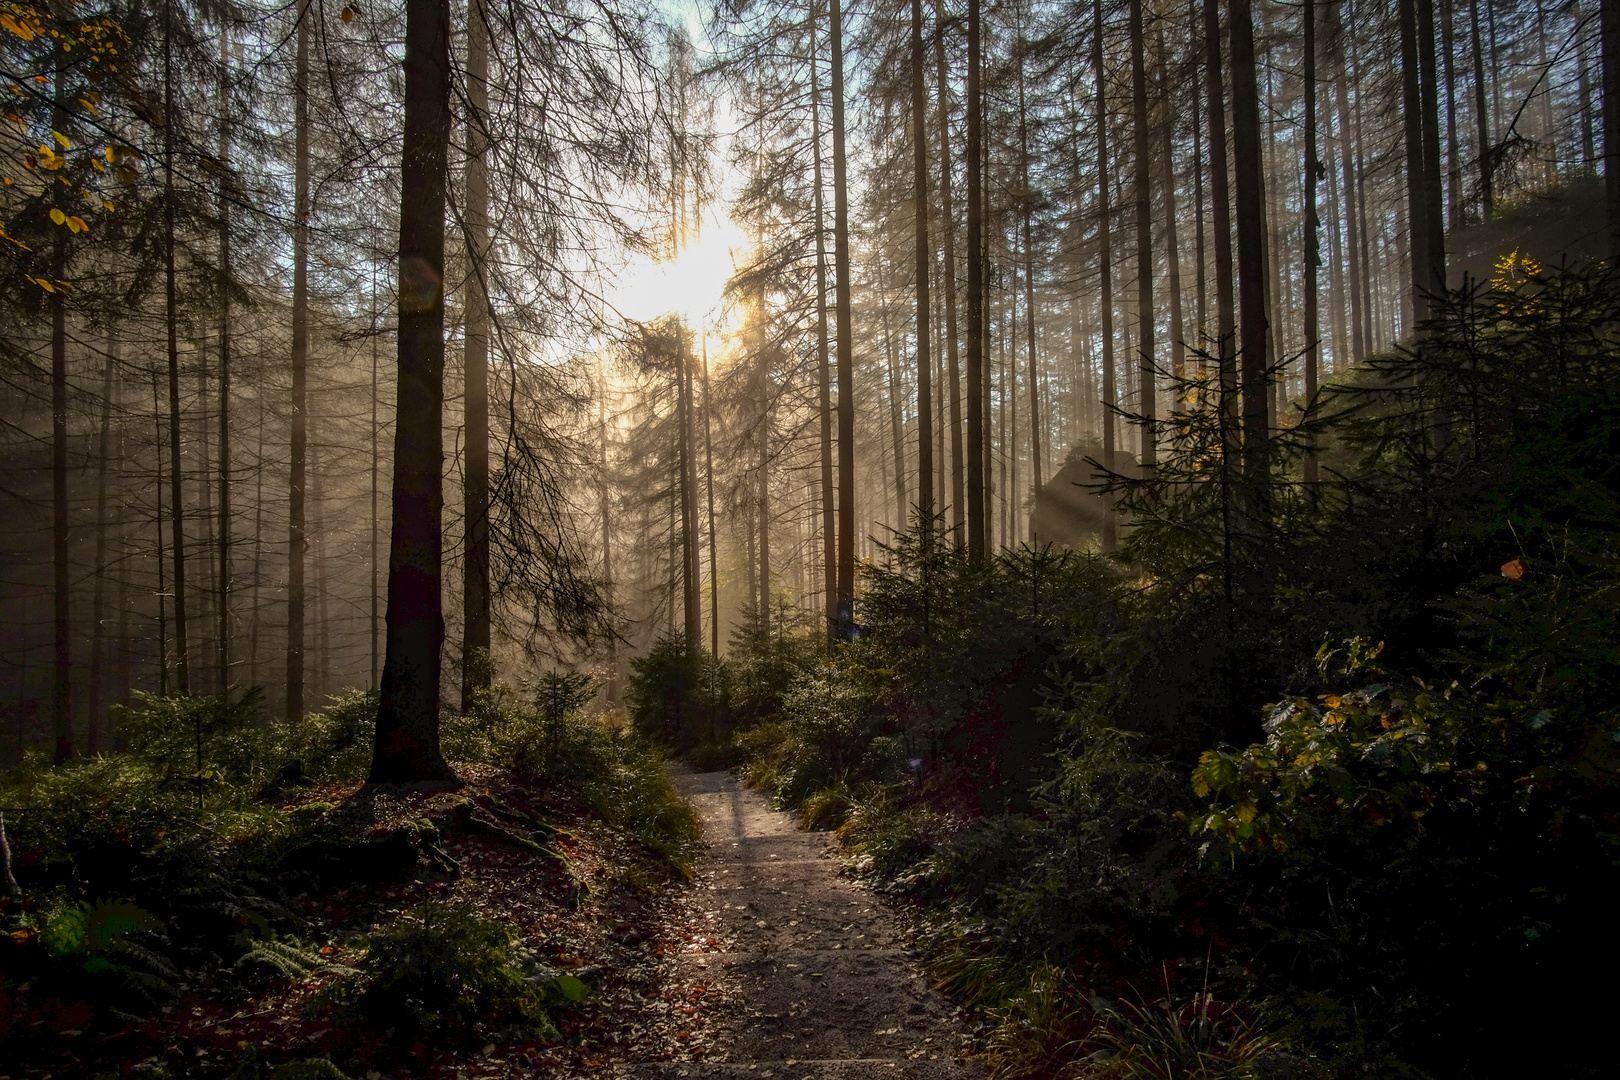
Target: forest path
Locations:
point(792, 971)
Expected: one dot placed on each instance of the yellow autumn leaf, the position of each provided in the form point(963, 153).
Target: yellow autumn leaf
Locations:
point(87, 103)
point(77, 224)
point(107, 206)
point(21, 29)
point(62, 139)
point(57, 216)
point(42, 283)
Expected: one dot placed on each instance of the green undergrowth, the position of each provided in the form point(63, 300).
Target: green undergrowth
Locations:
point(1307, 781)
point(206, 859)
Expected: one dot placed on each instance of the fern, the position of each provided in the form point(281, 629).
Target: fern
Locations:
point(308, 1069)
point(287, 957)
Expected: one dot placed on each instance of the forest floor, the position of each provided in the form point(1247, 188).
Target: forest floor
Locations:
point(765, 963)
point(788, 969)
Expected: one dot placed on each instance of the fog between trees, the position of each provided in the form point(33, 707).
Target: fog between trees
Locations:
point(955, 229)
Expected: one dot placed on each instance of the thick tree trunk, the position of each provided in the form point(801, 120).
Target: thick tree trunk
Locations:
point(846, 340)
point(475, 616)
point(1105, 261)
point(407, 738)
point(925, 393)
point(297, 533)
point(976, 518)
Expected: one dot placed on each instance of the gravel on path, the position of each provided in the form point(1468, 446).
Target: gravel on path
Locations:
point(791, 972)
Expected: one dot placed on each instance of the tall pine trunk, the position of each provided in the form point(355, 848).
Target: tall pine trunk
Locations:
point(1313, 251)
point(829, 525)
point(475, 618)
point(297, 533)
point(62, 669)
point(98, 636)
point(1220, 206)
point(948, 219)
point(1482, 115)
point(407, 736)
point(925, 394)
point(1147, 390)
point(1172, 242)
point(846, 339)
point(1246, 169)
point(223, 650)
point(182, 671)
point(1105, 260)
point(976, 458)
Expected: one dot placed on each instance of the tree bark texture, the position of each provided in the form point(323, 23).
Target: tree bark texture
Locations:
point(407, 737)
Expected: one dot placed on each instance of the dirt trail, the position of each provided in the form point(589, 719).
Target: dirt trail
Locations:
point(801, 973)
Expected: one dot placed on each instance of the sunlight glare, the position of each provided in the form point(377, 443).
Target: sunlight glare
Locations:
point(690, 285)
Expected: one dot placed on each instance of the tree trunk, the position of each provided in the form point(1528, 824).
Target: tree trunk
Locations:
point(61, 699)
point(376, 453)
point(1482, 116)
point(1246, 169)
point(171, 319)
point(1221, 201)
point(297, 536)
point(846, 340)
point(1417, 186)
point(1172, 243)
point(98, 637)
point(925, 394)
point(1433, 165)
point(1359, 292)
point(691, 577)
point(948, 218)
point(708, 474)
point(1027, 197)
point(407, 737)
point(475, 616)
point(1313, 251)
point(157, 530)
point(226, 578)
point(1453, 151)
point(1147, 406)
point(829, 525)
point(976, 519)
point(1609, 26)
point(896, 424)
point(1105, 260)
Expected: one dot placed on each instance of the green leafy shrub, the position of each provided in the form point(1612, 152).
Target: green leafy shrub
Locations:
point(444, 968)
